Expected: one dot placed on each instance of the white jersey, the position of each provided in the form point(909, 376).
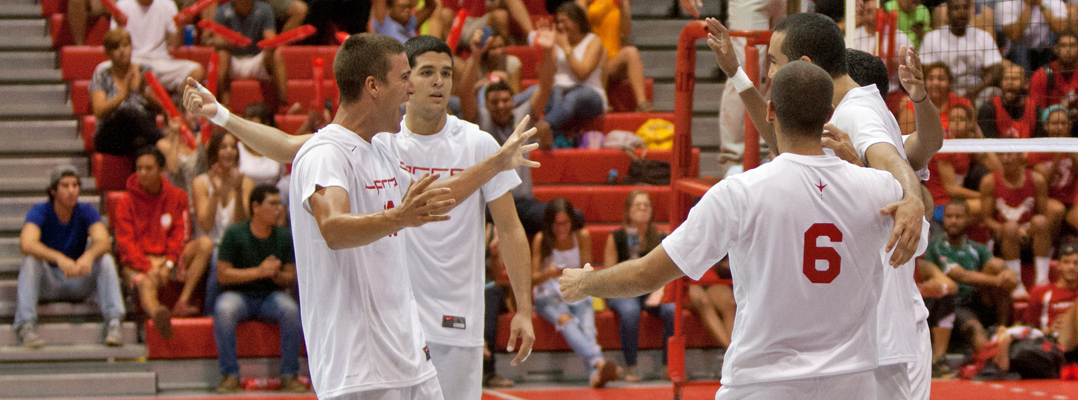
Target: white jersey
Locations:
point(149, 27)
point(804, 236)
point(864, 116)
point(967, 55)
point(359, 316)
point(1037, 34)
point(447, 258)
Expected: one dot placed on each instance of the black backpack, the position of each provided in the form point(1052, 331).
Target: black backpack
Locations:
point(1038, 358)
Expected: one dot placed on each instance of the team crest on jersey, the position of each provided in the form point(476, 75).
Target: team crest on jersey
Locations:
point(1015, 213)
point(820, 186)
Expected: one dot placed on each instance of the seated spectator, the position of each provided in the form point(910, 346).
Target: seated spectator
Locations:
point(972, 55)
point(866, 41)
point(123, 105)
point(613, 24)
point(151, 239)
point(914, 20)
point(1054, 82)
point(1011, 114)
point(182, 162)
point(58, 265)
point(1051, 307)
point(1016, 209)
point(938, 84)
point(332, 16)
point(498, 296)
point(637, 237)
point(78, 13)
point(948, 171)
point(254, 20)
point(256, 266)
point(153, 34)
point(1029, 26)
point(564, 243)
point(399, 19)
point(218, 194)
point(984, 282)
point(1059, 169)
point(983, 16)
point(253, 165)
point(937, 291)
point(578, 93)
point(496, 65)
point(289, 14)
point(715, 306)
point(497, 14)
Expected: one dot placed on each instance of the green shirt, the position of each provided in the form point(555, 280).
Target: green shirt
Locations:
point(242, 249)
point(970, 255)
point(906, 21)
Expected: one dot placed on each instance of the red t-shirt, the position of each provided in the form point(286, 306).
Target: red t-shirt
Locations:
point(1015, 204)
point(1007, 127)
point(476, 8)
point(1062, 183)
point(960, 162)
point(945, 111)
point(1048, 302)
point(1039, 90)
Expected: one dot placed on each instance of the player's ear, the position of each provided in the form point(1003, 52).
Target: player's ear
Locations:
point(770, 112)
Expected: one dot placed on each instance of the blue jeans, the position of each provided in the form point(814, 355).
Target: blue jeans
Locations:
point(233, 308)
point(568, 104)
point(629, 315)
point(41, 282)
point(579, 332)
point(211, 285)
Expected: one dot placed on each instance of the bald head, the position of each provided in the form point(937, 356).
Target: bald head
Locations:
point(801, 97)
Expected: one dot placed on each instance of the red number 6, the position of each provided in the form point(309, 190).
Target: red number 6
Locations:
point(814, 253)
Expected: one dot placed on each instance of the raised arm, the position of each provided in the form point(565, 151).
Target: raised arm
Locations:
point(546, 69)
point(718, 38)
point(928, 139)
point(469, 105)
point(509, 156)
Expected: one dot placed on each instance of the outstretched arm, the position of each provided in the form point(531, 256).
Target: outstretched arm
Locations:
point(718, 38)
point(632, 278)
point(509, 156)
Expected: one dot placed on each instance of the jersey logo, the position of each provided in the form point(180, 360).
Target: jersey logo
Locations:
point(1015, 213)
point(380, 184)
point(820, 186)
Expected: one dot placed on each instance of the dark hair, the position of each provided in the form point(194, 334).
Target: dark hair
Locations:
point(423, 44)
point(558, 205)
point(362, 56)
point(970, 114)
point(1068, 247)
point(938, 65)
point(158, 156)
point(262, 111)
point(577, 15)
point(52, 188)
point(959, 203)
point(801, 94)
point(215, 147)
point(498, 87)
point(815, 36)
point(867, 69)
point(259, 194)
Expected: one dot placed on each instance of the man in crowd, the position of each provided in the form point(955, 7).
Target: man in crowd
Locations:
point(153, 34)
point(254, 20)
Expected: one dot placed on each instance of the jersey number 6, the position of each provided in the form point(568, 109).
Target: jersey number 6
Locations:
point(815, 253)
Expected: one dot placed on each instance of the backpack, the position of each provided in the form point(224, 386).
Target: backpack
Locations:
point(1036, 358)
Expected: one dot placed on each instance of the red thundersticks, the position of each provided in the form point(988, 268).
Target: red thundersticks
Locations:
point(317, 102)
point(170, 108)
point(455, 30)
point(225, 33)
point(191, 11)
point(119, 16)
point(211, 85)
point(290, 36)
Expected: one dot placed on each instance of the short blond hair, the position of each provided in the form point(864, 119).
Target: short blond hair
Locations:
point(115, 38)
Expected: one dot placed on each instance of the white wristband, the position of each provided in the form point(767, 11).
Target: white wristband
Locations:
point(222, 115)
point(741, 81)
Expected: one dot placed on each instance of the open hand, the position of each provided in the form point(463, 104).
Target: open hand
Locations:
point(911, 74)
point(692, 7)
point(423, 204)
point(718, 39)
point(545, 37)
point(512, 153)
point(571, 282)
point(908, 214)
point(838, 141)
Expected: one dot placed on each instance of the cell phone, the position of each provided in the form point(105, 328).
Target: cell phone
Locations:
point(487, 33)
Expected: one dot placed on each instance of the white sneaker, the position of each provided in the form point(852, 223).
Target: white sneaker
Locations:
point(1020, 293)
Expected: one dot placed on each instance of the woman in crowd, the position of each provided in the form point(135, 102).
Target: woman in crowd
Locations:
point(578, 92)
point(125, 110)
point(637, 236)
point(564, 243)
point(1059, 169)
point(612, 21)
point(260, 169)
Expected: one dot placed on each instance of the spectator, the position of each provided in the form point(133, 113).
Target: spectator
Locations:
point(866, 41)
point(938, 83)
point(564, 243)
point(913, 19)
point(1011, 114)
point(1054, 82)
point(496, 14)
point(253, 165)
point(151, 239)
point(637, 237)
point(984, 283)
point(78, 13)
point(498, 297)
point(331, 16)
point(1058, 169)
point(948, 171)
point(218, 194)
point(578, 86)
point(715, 306)
point(153, 34)
point(182, 162)
point(1029, 26)
point(1051, 307)
point(58, 265)
point(399, 19)
point(972, 55)
point(496, 65)
point(938, 292)
point(289, 14)
point(254, 20)
point(984, 17)
point(613, 25)
point(1015, 203)
point(256, 266)
point(125, 109)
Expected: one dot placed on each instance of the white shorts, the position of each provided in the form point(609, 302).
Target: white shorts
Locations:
point(920, 371)
point(171, 72)
point(428, 390)
point(249, 67)
point(460, 370)
point(892, 382)
point(852, 386)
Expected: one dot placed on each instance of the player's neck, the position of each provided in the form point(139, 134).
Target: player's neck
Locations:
point(360, 117)
point(423, 122)
point(843, 84)
point(1014, 178)
point(797, 145)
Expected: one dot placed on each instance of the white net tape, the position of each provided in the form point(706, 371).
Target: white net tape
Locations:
point(1034, 145)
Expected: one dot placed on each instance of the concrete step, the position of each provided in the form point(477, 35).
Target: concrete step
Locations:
point(73, 353)
point(705, 131)
point(40, 167)
point(44, 147)
point(33, 94)
point(40, 130)
point(24, 76)
point(53, 312)
point(21, 11)
point(662, 9)
point(25, 43)
point(37, 185)
point(15, 2)
point(707, 96)
point(709, 164)
point(660, 64)
point(656, 32)
point(9, 248)
point(68, 334)
point(28, 60)
point(11, 28)
point(37, 111)
point(80, 384)
point(9, 267)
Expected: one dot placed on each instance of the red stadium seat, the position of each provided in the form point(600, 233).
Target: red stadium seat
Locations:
point(193, 338)
point(50, 7)
point(620, 94)
point(606, 324)
point(111, 172)
point(302, 91)
point(580, 166)
point(80, 98)
point(86, 128)
point(289, 123)
point(530, 57)
point(96, 27)
point(246, 91)
point(112, 198)
point(79, 62)
point(602, 203)
point(199, 54)
point(297, 60)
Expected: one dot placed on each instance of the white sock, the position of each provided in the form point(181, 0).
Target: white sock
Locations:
point(1015, 265)
point(1042, 264)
